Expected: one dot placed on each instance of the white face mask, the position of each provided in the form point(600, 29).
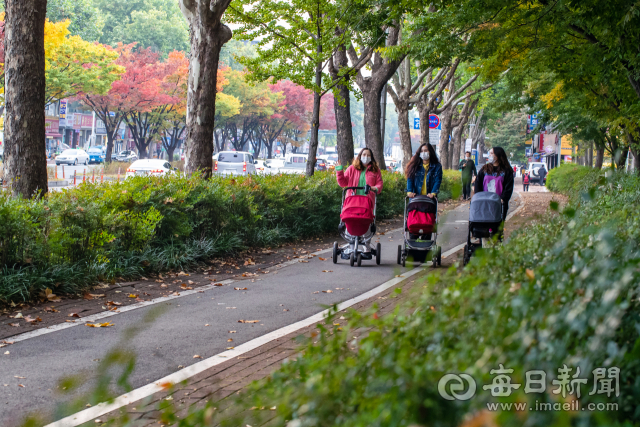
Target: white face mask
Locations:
point(468, 158)
point(491, 159)
point(424, 155)
point(365, 159)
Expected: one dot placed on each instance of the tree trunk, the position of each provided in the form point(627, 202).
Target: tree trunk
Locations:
point(315, 122)
point(342, 109)
point(372, 117)
point(456, 139)
point(424, 113)
point(405, 134)
point(599, 157)
point(208, 35)
point(445, 119)
point(25, 162)
point(109, 152)
point(344, 129)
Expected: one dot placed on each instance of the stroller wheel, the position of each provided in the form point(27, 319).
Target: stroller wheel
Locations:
point(439, 255)
point(359, 260)
point(465, 258)
point(399, 254)
point(404, 258)
point(378, 250)
point(434, 258)
point(335, 252)
point(352, 259)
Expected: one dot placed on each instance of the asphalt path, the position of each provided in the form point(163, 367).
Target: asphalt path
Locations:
point(171, 341)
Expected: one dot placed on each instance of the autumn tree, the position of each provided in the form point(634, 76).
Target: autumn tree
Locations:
point(25, 166)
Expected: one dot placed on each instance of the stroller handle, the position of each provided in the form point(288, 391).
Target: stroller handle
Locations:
point(366, 188)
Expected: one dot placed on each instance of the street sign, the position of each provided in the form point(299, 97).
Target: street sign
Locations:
point(467, 145)
point(434, 122)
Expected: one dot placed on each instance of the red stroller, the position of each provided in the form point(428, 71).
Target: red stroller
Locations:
point(420, 231)
point(357, 227)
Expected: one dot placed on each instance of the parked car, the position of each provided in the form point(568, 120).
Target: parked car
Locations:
point(533, 172)
point(321, 165)
point(235, 163)
point(96, 155)
point(150, 167)
point(73, 157)
point(263, 167)
point(295, 163)
point(126, 156)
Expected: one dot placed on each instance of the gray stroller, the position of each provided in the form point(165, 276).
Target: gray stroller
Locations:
point(485, 221)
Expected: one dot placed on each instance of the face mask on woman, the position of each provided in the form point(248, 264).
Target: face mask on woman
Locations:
point(365, 160)
point(491, 159)
point(424, 155)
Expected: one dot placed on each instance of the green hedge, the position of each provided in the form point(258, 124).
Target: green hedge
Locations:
point(100, 232)
point(562, 291)
point(572, 179)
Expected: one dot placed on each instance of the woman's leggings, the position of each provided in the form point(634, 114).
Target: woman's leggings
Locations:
point(505, 210)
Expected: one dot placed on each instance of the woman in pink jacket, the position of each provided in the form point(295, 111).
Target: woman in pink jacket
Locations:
point(364, 170)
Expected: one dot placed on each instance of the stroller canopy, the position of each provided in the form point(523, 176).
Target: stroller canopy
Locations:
point(485, 207)
point(422, 204)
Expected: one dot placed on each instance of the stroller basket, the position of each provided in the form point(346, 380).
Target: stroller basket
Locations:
point(357, 214)
point(421, 215)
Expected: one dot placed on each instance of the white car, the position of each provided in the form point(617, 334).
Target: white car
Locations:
point(264, 167)
point(295, 163)
point(126, 156)
point(150, 167)
point(235, 163)
point(533, 172)
point(73, 157)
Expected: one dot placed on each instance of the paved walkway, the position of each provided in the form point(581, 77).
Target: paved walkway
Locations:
point(197, 324)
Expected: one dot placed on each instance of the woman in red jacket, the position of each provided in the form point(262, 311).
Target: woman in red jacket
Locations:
point(364, 170)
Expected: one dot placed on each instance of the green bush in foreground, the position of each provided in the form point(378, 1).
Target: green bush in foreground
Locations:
point(563, 291)
point(98, 232)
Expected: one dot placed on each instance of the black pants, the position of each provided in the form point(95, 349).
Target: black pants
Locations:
point(505, 210)
point(525, 187)
point(466, 188)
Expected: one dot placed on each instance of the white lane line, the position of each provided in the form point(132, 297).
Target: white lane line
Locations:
point(105, 314)
point(186, 373)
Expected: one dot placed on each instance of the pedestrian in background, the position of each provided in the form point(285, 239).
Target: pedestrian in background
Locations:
point(468, 168)
point(525, 181)
point(542, 173)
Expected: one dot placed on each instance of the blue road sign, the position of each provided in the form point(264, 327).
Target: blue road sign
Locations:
point(416, 123)
point(434, 122)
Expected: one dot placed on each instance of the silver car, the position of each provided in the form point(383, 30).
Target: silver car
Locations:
point(126, 156)
point(73, 157)
point(235, 163)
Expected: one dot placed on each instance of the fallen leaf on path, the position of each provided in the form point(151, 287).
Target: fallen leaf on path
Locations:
point(327, 271)
point(74, 315)
point(6, 352)
point(21, 385)
point(184, 286)
point(32, 320)
point(163, 286)
point(322, 259)
point(133, 295)
point(48, 295)
point(248, 321)
point(190, 282)
point(339, 289)
point(229, 340)
point(197, 356)
point(240, 289)
point(139, 300)
point(329, 291)
point(232, 332)
point(207, 324)
point(230, 348)
point(166, 386)
point(99, 325)
point(175, 294)
point(17, 316)
point(218, 284)
point(20, 378)
point(114, 303)
point(51, 310)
